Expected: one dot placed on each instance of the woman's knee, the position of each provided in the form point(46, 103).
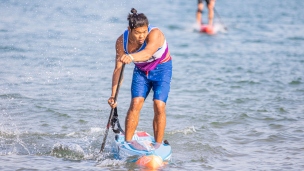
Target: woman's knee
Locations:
point(160, 106)
point(136, 103)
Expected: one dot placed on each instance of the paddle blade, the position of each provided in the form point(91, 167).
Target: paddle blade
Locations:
point(104, 141)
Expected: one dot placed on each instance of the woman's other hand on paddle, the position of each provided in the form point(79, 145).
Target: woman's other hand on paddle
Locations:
point(112, 102)
point(126, 59)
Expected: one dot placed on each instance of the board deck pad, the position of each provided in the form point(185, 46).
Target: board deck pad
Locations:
point(147, 144)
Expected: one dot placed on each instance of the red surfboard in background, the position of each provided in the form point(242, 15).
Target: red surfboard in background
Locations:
point(207, 29)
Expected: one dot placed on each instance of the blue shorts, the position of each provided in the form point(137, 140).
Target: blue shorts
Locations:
point(157, 79)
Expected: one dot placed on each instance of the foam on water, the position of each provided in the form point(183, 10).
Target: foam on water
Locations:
point(188, 130)
point(110, 162)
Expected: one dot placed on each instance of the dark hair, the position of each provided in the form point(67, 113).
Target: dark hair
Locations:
point(137, 20)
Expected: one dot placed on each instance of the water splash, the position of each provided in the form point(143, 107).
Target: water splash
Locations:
point(68, 151)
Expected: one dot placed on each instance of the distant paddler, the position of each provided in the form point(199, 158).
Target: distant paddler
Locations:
point(210, 5)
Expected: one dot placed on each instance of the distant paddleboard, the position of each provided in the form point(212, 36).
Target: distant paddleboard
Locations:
point(207, 29)
point(143, 146)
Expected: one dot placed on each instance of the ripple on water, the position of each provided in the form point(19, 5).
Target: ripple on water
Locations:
point(298, 81)
point(68, 151)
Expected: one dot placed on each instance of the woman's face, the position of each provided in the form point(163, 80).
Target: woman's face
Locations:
point(139, 34)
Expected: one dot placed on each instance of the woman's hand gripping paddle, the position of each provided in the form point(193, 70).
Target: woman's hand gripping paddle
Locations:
point(112, 111)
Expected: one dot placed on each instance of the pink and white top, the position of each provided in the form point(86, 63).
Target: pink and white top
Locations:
point(162, 55)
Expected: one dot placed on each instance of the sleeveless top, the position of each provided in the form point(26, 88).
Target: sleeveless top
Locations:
point(162, 55)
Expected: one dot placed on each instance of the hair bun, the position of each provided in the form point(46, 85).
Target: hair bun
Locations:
point(137, 20)
point(133, 11)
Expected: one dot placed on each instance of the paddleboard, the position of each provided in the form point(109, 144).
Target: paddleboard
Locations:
point(207, 29)
point(143, 146)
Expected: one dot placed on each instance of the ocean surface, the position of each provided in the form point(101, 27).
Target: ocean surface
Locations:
point(236, 100)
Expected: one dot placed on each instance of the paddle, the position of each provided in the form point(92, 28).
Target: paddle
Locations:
point(216, 13)
point(112, 110)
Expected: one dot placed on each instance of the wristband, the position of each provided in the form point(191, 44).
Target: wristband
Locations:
point(131, 57)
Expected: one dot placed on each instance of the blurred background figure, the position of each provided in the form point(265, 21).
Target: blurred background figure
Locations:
point(200, 6)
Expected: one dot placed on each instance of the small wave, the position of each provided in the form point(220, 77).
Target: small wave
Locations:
point(3, 30)
point(185, 131)
point(249, 82)
point(11, 49)
point(296, 38)
point(175, 27)
point(81, 121)
point(296, 82)
point(59, 114)
point(96, 130)
point(8, 134)
point(68, 151)
point(92, 131)
point(72, 134)
point(12, 96)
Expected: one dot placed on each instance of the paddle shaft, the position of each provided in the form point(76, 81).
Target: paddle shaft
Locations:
point(219, 18)
point(112, 110)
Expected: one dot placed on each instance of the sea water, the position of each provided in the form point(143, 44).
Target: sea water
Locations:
point(236, 100)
